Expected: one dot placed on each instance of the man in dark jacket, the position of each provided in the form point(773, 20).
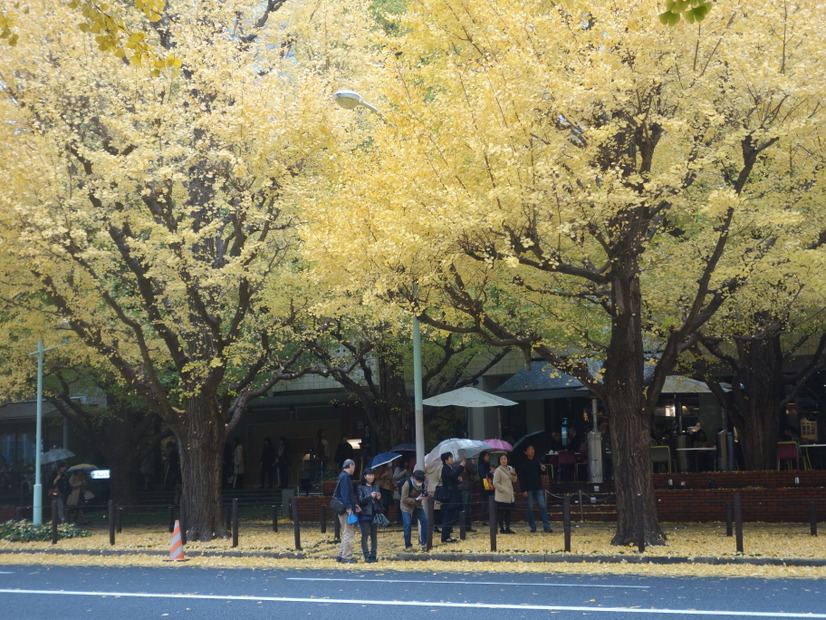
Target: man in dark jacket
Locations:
point(451, 476)
point(344, 491)
point(529, 472)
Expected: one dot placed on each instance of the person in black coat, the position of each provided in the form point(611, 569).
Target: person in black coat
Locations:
point(267, 462)
point(451, 475)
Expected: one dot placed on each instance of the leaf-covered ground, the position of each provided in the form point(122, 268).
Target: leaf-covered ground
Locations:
point(257, 543)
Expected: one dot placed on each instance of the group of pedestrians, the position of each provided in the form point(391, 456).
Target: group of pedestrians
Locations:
point(70, 492)
point(449, 481)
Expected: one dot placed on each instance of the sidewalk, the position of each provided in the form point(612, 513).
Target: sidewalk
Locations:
point(783, 546)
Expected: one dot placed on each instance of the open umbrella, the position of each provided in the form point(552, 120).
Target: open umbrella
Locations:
point(540, 440)
point(499, 445)
point(467, 397)
point(83, 467)
point(384, 458)
point(403, 448)
point(461, 448)
point(54, 455)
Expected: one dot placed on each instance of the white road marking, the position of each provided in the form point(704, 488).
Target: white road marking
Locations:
point(363, 603)
point(475, 583)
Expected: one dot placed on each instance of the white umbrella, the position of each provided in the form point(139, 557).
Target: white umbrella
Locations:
point(54, 455)
point(461, 448)
point(467, 397)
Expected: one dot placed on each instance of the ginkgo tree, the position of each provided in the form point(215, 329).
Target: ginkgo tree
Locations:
point(579, 181)
point(153, 209)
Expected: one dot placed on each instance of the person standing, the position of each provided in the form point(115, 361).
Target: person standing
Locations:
point(369, 500)
point(282, 462)
point(466, 484)
point(267, 462)
point(413, 493)
point(344, 491)
point(344, 451)
point(503, 479)
point(485, 474)
point(77, 482)
point(321, 450)
point(530, 470)
point(59, 490)
point(451, 476)
point(368, 447)
point(238, 465)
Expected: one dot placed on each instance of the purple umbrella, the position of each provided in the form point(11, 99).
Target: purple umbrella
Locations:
point(499, 445)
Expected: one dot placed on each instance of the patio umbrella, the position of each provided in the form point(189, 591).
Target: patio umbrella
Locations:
point(83, 467)
point(384, 458)
point(499, 445)
point(461, 448)
point(54, 455)
point(540, 440)
point(467, 397)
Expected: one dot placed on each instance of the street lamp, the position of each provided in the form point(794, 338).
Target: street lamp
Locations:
point(349, 100)
point(37, 499)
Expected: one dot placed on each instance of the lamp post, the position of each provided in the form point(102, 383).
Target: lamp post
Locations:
point(349, 100)
point(37, 490)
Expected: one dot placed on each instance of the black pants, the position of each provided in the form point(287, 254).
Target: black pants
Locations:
point(369, 529)
point(450, 516)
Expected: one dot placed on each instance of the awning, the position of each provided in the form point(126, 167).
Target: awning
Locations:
point(540, 382)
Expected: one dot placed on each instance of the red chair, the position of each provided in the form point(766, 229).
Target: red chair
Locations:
point(567, 462)
point(788, 451)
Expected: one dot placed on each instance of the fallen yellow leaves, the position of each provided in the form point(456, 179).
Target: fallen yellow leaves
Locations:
point(259, 547)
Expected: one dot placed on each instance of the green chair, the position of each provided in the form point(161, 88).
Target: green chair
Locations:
point(661, 455)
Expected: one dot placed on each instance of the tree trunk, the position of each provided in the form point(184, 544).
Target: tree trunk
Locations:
point(630, 423)
point(757, 392)
point(201, 445)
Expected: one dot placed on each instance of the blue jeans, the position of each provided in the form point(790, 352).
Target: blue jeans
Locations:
point(407, 526)
point(539, 496)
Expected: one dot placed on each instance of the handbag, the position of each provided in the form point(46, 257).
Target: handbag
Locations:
point(487, 483)
point(88, 496)
point(440, 494)
point(381, 520)
point(336, 505)
point(352, 519)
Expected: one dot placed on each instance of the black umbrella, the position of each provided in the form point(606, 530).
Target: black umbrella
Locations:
point(540, 440)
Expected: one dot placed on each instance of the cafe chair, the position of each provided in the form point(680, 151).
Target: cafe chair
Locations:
point(788, 451)
point(567, 463)
point(661, 455)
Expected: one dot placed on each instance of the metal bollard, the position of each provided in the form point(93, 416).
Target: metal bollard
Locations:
point(111, 512)
point(493, 519)
point(729, 519)
point(462, 533)
point(54, 521)
point(738, 522)
point(296, 526)
point(171, 519)
point(813, 518)
point(566, 522)
point(235, 522)
point(430, 518)
point(275, 518)
point(120, 519)
point(323, 519)
point(182, 506)
point(640, 523)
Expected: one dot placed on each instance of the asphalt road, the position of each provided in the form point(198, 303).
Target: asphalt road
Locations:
point(32, 592)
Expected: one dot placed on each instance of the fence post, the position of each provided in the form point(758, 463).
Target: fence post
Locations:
point(640, 523)
point(120, 519)
point(111, 510)
point(296, 526)
point(182, 507)
point(462, 534)
point(234, 521)
point(430, 517)
point(729, 519)
point(171, 519)
point(738, 522)
point(337, 527)
point(323, 519)
point(54, 521)
point(566, 522)
point(813, 518)
point(275, 518)
point(493, 519)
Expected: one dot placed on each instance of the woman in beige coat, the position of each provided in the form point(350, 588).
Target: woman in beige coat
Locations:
point(503, 479)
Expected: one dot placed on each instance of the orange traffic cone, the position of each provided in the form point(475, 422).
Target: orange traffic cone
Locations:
point(176, 550)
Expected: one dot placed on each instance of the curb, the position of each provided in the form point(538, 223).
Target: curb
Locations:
point(458, 557)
